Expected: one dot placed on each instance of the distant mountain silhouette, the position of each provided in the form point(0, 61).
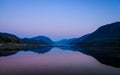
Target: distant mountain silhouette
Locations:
point(77, 40)
point(9, 38)
point(43, 38)
point(37, 40)
point(9, 35)
point(107, 35)
point(71, 41)
point(65, 41)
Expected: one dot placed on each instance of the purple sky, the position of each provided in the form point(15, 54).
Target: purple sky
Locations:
point(56, 19)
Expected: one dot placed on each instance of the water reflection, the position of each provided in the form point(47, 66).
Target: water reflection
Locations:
point(106, 55)
point(7, 52)
point(39, 50)
point(70, 60)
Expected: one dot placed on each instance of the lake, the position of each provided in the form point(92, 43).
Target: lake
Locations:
point(60, 61)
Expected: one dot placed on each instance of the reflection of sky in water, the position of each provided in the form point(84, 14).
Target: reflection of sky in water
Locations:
point(25, 53)
point(56, 60)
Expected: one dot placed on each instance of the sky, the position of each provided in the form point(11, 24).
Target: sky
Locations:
point(57, 19)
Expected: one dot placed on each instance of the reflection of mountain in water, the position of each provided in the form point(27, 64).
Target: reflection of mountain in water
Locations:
point(7, 52)
point(39, 50)
point(107, 55)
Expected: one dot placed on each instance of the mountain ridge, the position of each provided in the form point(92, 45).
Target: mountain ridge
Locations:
point(11, 38)
point(105, 35)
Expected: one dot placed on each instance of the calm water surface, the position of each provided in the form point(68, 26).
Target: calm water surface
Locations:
point(52, 61)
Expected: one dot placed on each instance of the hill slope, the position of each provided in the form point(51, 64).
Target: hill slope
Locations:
point(37, 40)
point(107, 35)
point(8, 38)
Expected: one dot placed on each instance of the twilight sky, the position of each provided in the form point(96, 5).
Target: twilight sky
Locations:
point(56, 19)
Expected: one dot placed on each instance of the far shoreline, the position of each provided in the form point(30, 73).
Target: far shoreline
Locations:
point(14, 46)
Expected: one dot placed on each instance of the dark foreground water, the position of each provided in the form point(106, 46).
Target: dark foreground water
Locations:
point(60, 61)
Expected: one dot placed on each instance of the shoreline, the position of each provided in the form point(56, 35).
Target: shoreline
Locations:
point(14, 46)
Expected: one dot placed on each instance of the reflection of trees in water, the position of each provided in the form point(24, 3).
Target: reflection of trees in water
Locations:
point(109, 55)
point(7, 52)
point(39, 50)
point(106, 55)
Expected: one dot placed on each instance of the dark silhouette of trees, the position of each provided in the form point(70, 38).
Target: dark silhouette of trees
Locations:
point(8, 40)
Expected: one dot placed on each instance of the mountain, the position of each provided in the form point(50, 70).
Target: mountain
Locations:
point(8, 38)
point(11, 38)
point(65, 41)
point(71, 41)
point(43, 38)
point(8, 35)
point(77, 40)
point(107, 35)
point(37, 40)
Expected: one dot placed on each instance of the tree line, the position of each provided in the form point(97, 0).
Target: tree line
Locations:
point(8, 39)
